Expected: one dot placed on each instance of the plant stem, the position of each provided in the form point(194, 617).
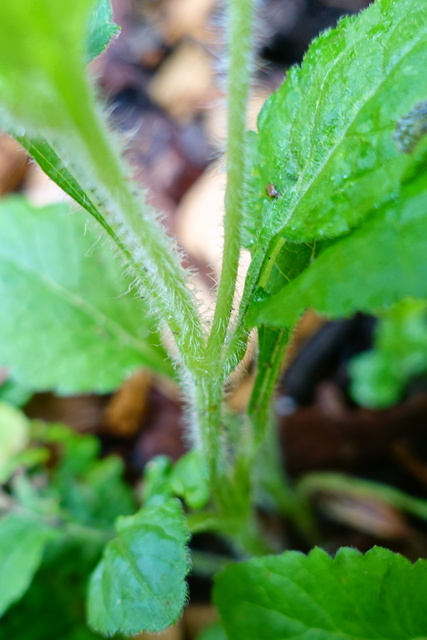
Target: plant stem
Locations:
point(273, 480)
point(206, 395)
point(236, 346)
point(344, 485)
point(206, 414)
point(272, 344)
point(240, 18)
point(154, 257)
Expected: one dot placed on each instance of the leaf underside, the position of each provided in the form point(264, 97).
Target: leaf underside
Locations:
point(67, 319)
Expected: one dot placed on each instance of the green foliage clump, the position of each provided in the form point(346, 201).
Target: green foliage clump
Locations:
point(330, 197)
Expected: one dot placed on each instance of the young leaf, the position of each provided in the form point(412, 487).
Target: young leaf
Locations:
point(376, 595)
point(371, 268)
point(156, 488)
point(379, 376)
point(326, 136)
point(22, 541)
point(140, 583)
point(64, 320)
point(101, 29)
point(190, 480)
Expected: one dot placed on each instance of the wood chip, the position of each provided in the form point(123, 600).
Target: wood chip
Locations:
point(126, 408)
point(199, 217)
point(365, 514)
point(13, 164)
point(175, 632)
point(183, 85)
point(187, 18)
point(197, 617)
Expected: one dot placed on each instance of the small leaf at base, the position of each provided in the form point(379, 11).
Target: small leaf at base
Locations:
point(139, 585)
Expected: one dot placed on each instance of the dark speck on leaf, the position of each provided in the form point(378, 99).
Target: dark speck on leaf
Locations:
point(411, 128)
point(272, 191)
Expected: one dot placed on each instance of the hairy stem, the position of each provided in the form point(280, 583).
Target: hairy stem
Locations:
point(154, 258)
point(206, 397)
point(240, 19)
point(206, 407)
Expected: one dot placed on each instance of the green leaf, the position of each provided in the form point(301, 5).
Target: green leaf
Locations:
point(140, 583)
point(101, 29)
point(212, 632)
point(380, 376)
point(89, 489)
point(22, 541)
point(156, 488)
point(326, 150)
point(14, 393)
point(376, 595)
point(59, 586)
point(97, 497)
point(52, 165)
point(42, 46)
point(49, 161)
point(190, 480)
point(371, 268)
point(63, 289)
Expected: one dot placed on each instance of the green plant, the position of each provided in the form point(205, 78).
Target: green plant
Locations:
point(329, 196)
point(381, 376)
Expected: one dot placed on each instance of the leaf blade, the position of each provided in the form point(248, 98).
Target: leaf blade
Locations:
point(375, 595)
point(74, 335)
point(326, 136)
point(386, 249)
point(22, 541)
point(140, 583)
point(101, 29)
